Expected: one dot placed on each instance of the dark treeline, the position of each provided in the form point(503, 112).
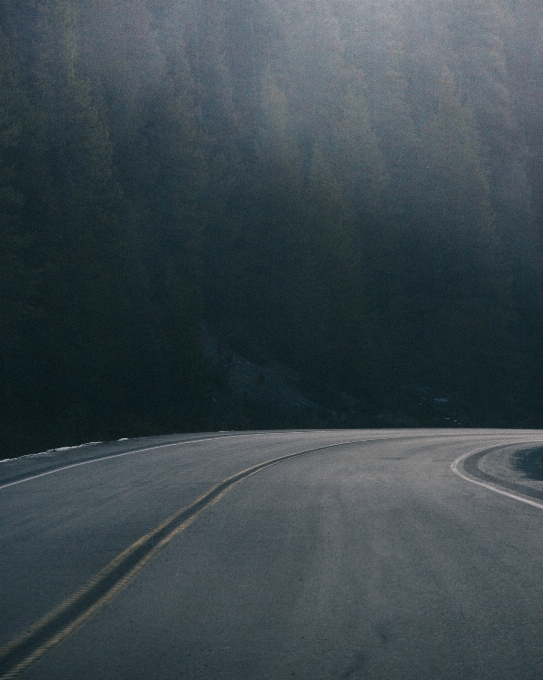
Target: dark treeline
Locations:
point(350, 187)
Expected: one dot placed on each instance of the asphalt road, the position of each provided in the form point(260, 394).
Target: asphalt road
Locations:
point(367, 559)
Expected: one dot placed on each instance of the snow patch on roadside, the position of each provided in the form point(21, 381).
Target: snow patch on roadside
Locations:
point(50, 451)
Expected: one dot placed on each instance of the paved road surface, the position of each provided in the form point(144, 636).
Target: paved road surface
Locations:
point(367, 559)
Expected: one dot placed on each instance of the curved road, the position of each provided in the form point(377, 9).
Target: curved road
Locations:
point(366, 557)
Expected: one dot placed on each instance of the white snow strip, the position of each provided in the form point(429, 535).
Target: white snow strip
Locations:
point(69, 448)
point(119, 455)
point(50, 451)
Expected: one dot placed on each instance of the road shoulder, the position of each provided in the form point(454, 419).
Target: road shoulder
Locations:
point(498, 466)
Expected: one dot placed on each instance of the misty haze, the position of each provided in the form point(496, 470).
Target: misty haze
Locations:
point(268, 214)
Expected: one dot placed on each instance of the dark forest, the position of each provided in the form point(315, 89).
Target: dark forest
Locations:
point(344, 196)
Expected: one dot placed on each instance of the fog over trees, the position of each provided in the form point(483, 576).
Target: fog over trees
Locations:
point(350, 189)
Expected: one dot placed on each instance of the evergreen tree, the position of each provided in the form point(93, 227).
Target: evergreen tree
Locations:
point(18, 277)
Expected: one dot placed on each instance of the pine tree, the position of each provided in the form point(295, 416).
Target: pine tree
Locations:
point(17, 279)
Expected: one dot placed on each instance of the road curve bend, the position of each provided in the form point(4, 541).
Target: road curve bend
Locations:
point(375, 554)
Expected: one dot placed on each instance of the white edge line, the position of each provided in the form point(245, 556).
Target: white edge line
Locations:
point(143, 450)
point(128, 453)
point(454, 464)
point(118, 455)
point(491, 487)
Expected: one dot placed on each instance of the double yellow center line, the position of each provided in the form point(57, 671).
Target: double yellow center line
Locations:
point(67, 617)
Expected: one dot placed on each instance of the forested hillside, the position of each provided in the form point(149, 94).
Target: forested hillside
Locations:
point(351, 188)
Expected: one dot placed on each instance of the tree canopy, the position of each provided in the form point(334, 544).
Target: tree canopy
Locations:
point(353, 189)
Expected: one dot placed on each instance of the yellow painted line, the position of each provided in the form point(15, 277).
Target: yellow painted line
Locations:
point(183, 442)
point(25, 649)
point(401, 435)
